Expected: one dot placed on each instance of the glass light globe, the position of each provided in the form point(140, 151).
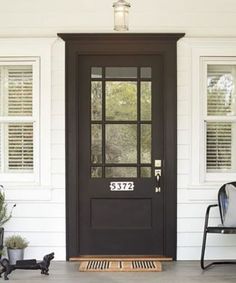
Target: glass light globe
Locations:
point(121, 15)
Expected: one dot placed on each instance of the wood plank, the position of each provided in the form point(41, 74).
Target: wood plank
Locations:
point(120, 258)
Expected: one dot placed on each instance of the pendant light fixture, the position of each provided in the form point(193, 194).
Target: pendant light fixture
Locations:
point(121, 15)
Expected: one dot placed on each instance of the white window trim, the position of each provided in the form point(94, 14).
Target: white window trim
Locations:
point(37, 50)
point(35, 119)
point(209, 48)
point(204, 61)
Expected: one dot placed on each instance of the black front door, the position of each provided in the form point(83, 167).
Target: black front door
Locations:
point(121, 110)
point(120, 137)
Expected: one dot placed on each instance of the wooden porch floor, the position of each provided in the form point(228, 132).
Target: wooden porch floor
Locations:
point(173, 272)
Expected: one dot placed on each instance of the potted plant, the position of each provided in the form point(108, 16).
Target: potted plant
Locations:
point(4, 216)
point(15, 248)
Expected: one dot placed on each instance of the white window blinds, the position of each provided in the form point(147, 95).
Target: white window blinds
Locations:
point(20, 147)
point(16, 118)
point(220, 123)
point(20, 91)
point(219, 146)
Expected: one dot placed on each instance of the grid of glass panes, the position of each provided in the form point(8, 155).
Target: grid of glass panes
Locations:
point(121, 122)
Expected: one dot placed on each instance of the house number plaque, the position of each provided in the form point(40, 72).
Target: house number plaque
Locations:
point(121, 186)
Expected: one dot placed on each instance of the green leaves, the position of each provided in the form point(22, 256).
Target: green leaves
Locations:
point(4, 216)
point(16, 242)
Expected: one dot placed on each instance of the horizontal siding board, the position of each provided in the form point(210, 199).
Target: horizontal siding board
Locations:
point(197, 196)
point(40, 252)
point(35, 224)
point(195, 240)
point(20, 194)
point(194, 224)
point(204, 195)
point(58, 195)
point(42, 210)
point(196, 210)
point(182, 196)
point(42, 239)
point(193, 253)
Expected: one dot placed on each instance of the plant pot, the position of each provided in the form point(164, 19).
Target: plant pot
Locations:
point(14, 255)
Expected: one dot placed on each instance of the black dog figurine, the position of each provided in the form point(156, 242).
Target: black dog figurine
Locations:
point(30, 264)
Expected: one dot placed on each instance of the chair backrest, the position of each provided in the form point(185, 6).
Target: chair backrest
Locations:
point(223, 200)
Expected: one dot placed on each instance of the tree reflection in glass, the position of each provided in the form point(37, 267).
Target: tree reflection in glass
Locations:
point(146, 102)
point(121, 143)
point(145, 172)
point(96, 172)
point(121, 101)
point(96, 101)
point(123, 172)
point(96, 140)
point(145, 143)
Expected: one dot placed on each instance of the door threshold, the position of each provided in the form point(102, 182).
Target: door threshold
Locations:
point(120, 257)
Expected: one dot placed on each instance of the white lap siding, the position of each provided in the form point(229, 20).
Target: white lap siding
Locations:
point(40, 213)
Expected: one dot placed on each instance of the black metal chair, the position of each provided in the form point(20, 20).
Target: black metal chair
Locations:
point(222, 204)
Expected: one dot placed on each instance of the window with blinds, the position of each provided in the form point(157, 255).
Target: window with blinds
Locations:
point(20, 86)
point(221, 118)
point(16, 118)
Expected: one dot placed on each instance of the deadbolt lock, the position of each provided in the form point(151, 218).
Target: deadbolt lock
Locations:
point(157, 163)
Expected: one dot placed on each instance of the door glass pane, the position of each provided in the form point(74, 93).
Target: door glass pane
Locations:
point(145, 143)
point(96, 141)
point(125, 172)
point(121, 143)
point(96, 172)
point(146, 73)
point(96, 73)
point(221, 94)
point(121, 72)
point(96, 101)
point(146, 101)
point(121, 101)
point(146, 172)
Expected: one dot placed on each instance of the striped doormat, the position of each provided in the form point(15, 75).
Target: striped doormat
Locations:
point(120, 266)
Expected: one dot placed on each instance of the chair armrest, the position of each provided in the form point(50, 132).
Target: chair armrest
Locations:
point(207, 214)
